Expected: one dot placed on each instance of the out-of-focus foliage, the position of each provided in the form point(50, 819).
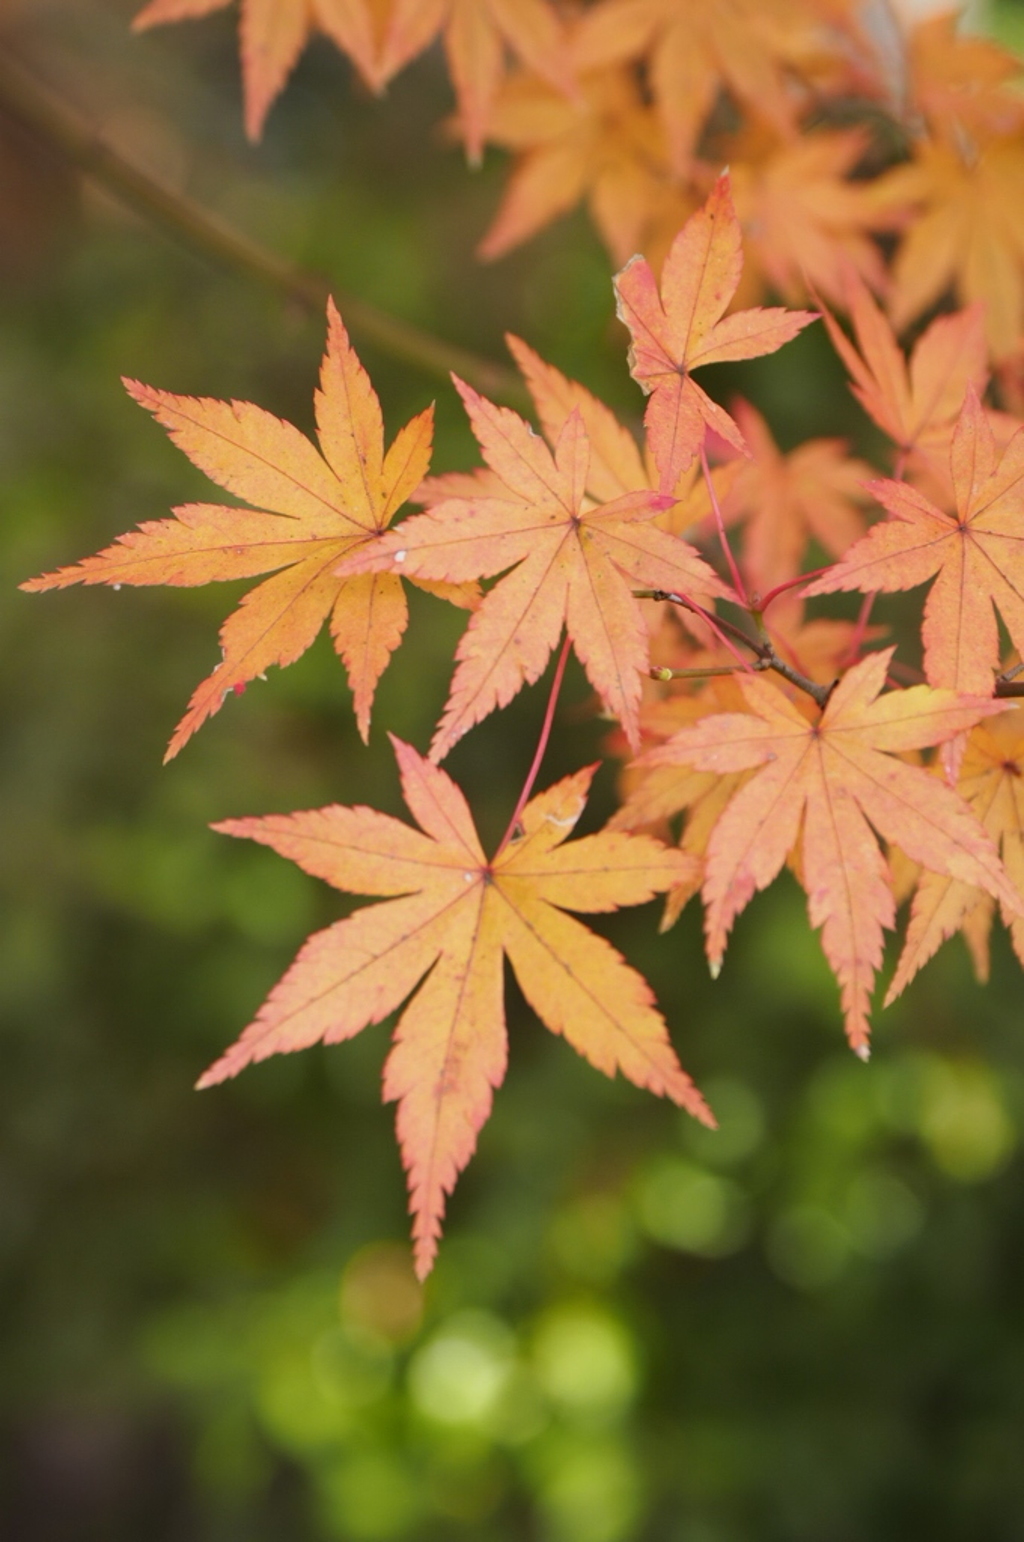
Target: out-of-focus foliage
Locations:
point(806, 1325)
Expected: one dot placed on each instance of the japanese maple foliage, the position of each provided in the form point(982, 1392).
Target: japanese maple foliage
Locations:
point(452, 917)
point(976, 554)
point(686, 568)
point(272, 35)
point(325, 504)
point(574, 566)
point(823, 781)
point(685, 326)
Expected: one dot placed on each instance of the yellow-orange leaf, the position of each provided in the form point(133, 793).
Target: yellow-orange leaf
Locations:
point(786, 499)
point(804, 220)
point(455, 914)
point(964, 228)
point(477, 34)
point(694, 50)
point(975, 556)
point(991, 781)
point(573, 564)
point(603, 146)
point(273, 34)
point(916, 405)
point(827, 783)
point(326, 503)
point(683, 328)
point(960, 81)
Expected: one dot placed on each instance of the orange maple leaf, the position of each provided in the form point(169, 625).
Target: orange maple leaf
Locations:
point(604, 146)
point(964, 220)
point(916, 405)
point(991, 781)
point(657, 793)
point(325, 505)
point(804, 221)
point(754, 48)
point(653, 794)
point(273, 34)
point(477, 34)
point(455, 914)
point(958, 81)
point(682, 329)
point(975, 555)
point(617, 465)
point(575, 564)
point(786, 499)
point(822, 782)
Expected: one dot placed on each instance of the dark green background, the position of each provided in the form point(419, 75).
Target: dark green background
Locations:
point(806, 1327)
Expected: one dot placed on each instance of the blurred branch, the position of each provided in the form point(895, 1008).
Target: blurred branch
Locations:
point(32, 104)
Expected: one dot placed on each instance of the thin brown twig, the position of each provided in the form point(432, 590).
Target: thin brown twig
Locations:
point(763, 649)
point(34, 105)
point(664, 674)
point(718, 625)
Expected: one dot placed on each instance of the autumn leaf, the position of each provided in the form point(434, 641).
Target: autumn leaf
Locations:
point(325, 506)
point(964, 229)
point(976, 555)
point(785, 500)
point(804, 221)
point(657, 793)
point(603, 146)
point(991, 782)
point(820, 783)
point(682, 329)
point(959, 81)
point(573, 563)
point(615, 465)
point(750, 47)
point(452, 915)
point(916, 405)
point(820, 650)
point(477, 34)
point(273, 34)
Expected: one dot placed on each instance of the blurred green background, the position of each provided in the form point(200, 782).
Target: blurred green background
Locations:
point(808, 1326)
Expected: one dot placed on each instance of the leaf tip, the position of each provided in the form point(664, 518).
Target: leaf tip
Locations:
point(214, 1075)
point(424, 1256)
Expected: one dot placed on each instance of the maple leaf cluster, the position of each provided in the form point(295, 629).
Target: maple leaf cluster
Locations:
point(837, 122)
point(786, 737)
